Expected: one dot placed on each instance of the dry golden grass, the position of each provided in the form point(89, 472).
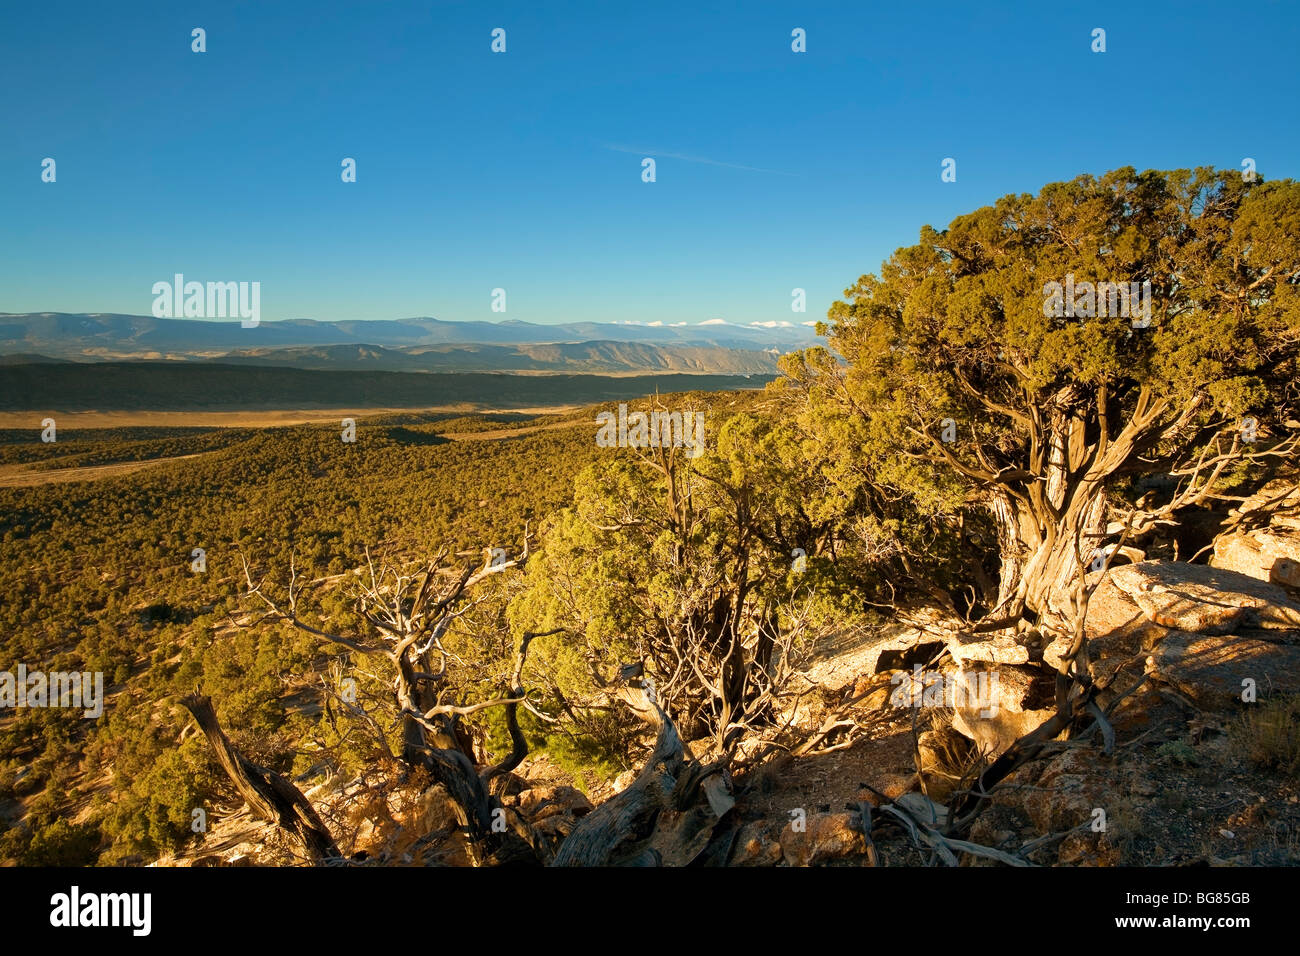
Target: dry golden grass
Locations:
point(1268, 735)
point(22, 476)
point(25, 476)
point(246, 418)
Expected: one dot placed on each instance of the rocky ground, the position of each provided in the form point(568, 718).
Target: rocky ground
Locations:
point(1199, 667)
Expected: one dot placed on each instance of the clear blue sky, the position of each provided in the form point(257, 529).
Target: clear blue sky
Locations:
point(523, 170)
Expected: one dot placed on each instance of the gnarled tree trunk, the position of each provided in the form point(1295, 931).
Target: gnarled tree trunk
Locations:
point(270, 796)
point(668, 816)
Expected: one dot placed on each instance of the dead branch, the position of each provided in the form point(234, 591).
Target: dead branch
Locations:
point(268, 794)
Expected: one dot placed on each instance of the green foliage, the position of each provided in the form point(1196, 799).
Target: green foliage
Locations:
point(687, 568)
point(1178, 752)
point(203, 385)
point(61, 844)
point(590, 758)
point(97, 577)
point(1049, 415)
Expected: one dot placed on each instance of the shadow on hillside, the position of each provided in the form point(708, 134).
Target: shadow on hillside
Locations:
point(406, 436)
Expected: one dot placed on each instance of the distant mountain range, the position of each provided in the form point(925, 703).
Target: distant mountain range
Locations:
point(417, 344)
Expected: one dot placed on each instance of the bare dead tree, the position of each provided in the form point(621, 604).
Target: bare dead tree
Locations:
point(409, 613)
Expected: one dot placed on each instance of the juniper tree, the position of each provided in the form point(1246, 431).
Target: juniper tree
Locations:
point(965, 386)
point(680, 568)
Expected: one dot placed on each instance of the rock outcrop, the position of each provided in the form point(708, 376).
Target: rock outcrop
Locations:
point(1264, 538)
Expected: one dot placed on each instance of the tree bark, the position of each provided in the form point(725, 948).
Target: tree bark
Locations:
point(1046, 531)
point(270, 796)
point(667, 815)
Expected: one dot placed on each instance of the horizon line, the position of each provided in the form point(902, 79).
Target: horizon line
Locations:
point(769, 324)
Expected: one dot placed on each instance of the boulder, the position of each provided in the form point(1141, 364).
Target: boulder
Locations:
point(1088, 849)
point(903, 651)
point(1204, 600)
point(753, 847)
point(824, 836)
point(1116, 626)
point(1117, 631)
point(1211, 669)
point(995, 734)
point(874, 690)
point(1268, 555)
point(1019, 701)
point(541, 802)
point(966, 647)
point(1072, 785)
point(902, 647)
point(1264, 542)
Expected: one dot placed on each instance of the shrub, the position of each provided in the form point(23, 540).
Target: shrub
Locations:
point(1269, 735)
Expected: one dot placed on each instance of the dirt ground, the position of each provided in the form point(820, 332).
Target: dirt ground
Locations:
point(22, 476)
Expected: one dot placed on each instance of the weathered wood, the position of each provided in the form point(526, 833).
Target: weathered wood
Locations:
point(492, 840)
point(518, 742)
point(864, 809)
point(667, 817)
point(610, 833)
point(718, 793)
point(269, 795)
point(410, 617)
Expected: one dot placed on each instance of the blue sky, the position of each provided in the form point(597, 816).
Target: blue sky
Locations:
point(522, 170)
